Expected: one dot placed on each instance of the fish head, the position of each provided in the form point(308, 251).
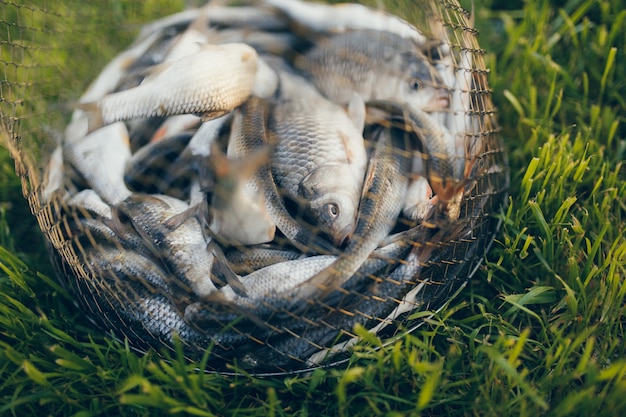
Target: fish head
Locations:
point(332, 197)
point(423, 86)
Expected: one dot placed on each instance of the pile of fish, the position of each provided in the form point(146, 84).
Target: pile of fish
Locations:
point(259, 179)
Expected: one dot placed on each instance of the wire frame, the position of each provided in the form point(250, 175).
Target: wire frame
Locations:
point(136, 213)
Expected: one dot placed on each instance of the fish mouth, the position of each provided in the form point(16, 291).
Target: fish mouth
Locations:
point(440, 101)
point(343, 236)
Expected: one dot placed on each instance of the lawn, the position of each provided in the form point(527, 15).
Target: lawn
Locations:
point(539, 330)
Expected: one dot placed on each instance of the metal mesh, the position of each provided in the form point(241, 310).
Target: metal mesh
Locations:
point(138, 213)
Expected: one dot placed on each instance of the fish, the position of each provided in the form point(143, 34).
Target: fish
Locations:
point(101, 158)
point(319, 156)
point(252, 134)
point(106, 82)
point(207, 134)
point(222, 198)
point(209, 83)
point(53, 175)
point(183, 250)
point(90, 201)
point(220, 16)
point(380, 204)
point(376, 65)
point(135, 295)
point(280, 278)
point(192, 39)
point(434, 149)
point(342, 17)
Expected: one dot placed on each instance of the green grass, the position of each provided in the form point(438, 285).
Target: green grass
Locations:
point(538, 331)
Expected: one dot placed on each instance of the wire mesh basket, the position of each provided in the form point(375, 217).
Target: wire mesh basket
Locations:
point(256, 180)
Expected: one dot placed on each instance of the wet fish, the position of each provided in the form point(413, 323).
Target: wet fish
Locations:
point(376, 65)
point(184, 250)
point(207, 134)
point(175, 125)
point(250, 136)
point(135, 295)
point(53, 175)
point(209, 83)
point(90, 200)
point(434, 149)
point(371, 304)
point(278, 279)
point(319, 158)
point(192, 39)
point(385, 187)
point(101, 158)
point(345, 16)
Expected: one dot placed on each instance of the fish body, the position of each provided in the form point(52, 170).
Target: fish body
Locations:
point(210, 83)
point(319, 157)
point(419, 199)
point(101, 158)
point(381, 202)
point(221, 16)
point(434, 152)
point(376, 65)
point(345, 16)
point(250, 135)
point(281, 279)
point(184, 250)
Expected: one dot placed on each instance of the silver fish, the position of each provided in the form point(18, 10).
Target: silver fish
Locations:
point(381, 202)
point(184, 250)
point(210, 83)
point(281, 278)
point(275, 43)
point(434, 145)
point(376, 65)
point(144, 302)
point(251, 135)
point(101, 158)
point(206, 135)
point(319, 158)
point(345, 16)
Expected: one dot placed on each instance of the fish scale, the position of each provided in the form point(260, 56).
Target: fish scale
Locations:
point(319, 156)
point(210, 82)
point(308, 137)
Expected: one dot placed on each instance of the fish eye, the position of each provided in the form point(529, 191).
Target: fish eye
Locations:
point(414, 84)
point(332, 210)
